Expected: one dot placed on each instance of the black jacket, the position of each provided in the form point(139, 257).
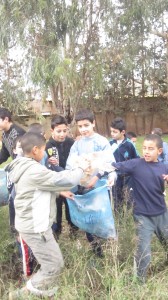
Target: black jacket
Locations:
point(8, 138)
point(59, 150)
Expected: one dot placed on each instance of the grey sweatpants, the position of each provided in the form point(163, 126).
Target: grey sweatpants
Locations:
point(146, 226)
point(48, 255)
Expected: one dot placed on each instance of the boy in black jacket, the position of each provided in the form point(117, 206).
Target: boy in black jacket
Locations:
point(57, 149)
point(10, 132)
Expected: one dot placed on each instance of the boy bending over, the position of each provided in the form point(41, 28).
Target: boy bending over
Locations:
point(36, 188)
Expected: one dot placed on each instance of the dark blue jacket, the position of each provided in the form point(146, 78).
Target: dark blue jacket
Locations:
point(124, 151)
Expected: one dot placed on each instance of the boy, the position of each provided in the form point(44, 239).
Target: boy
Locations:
point(150, 211)
point(9, 133)
point(88, 143)
point(164, 155)
point(24, 251)
point(39, 129)
point(123, 149)
point(57, 149)
point(132, 136)
point(36, 187)
point(36, 128)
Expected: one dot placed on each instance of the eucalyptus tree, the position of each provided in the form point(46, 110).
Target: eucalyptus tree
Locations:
point(62, 39)
point(88, 52)
point(139, 51)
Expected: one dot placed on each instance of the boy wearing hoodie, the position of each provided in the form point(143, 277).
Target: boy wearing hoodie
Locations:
point(36, 188)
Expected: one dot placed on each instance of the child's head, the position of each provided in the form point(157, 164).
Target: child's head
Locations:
point(117, 129)
point(59, 128)
point(132, 136)
point(85, 121)
point(33, 145)
point(17, 149)
point(36, 128)
point(157, 131)
point(5, 119)
point(152, 147)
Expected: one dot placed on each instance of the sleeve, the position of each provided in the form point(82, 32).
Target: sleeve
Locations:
point(4, 154)
point(48, 180)
point(126, 167)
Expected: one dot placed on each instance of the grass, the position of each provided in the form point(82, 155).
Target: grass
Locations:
point(86, 276)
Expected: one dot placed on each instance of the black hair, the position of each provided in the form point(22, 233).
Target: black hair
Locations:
point(58, 120)
point(5, 113)
point(36, 128)
point(18, 139)
point(118, 123)
point(157, 131)
point(131, 134)
point(30, 139)
point(84, 114)
point(155, 138)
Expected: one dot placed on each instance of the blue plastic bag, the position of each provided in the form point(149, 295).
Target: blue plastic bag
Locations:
point(92, 212)
point(4, 195)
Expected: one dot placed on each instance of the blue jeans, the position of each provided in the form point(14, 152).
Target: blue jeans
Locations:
point(146, 226)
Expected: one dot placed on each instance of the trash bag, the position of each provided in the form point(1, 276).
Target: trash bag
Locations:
point(3, 188)
point(92, 211)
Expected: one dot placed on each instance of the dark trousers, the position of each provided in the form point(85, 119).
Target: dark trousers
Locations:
point(121, 192)
point(12, 215)
point(59, 203)
point(146, 226)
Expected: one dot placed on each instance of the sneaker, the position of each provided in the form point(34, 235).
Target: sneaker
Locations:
point(20, 294)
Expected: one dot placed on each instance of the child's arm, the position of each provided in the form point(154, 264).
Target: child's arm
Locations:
point(92, 182)
point(52, 160)
point(165, 177)
point(67, 194)
point(112, 176)
point(126, 167)
point(47, 180)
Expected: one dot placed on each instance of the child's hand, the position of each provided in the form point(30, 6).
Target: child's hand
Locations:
point(92, 182)
point(165, 177)
point(53, 161)
point(110, 182)
point(111, 179)
point(67, 194)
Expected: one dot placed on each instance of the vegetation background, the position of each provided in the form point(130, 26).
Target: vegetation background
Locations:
point(86, 277)
point(111, 56)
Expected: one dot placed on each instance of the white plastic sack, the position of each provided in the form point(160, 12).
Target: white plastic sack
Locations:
point(98, 161)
